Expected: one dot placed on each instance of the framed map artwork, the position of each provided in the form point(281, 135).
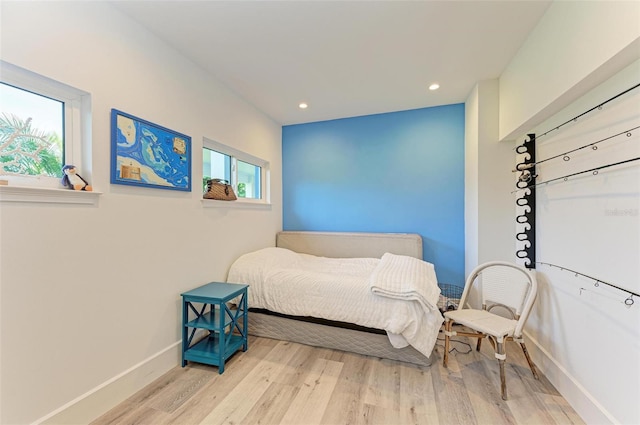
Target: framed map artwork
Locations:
point(148, 155)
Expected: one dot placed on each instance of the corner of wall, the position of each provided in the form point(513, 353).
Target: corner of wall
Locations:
point(471, 180)
point(488, 180)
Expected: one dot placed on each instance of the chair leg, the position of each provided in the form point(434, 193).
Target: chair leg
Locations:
point(501, 356)
point(531, 365)
point(447, 328)
point(478, 344)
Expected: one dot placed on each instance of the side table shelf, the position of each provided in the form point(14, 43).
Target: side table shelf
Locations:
point(227, 327)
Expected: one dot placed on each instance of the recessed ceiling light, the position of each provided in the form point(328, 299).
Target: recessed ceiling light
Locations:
point(434, 86)
point(303, 106)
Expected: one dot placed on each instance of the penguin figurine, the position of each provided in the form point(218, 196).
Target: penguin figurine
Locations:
point(74, 181)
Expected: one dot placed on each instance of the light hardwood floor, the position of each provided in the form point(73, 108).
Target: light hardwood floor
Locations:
point(278, 382)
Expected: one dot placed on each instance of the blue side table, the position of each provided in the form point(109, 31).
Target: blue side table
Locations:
point(226, 333)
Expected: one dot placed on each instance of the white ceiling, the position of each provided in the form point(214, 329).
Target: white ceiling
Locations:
point(344, 58)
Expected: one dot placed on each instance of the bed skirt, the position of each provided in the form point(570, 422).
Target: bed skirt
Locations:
point(319, 335)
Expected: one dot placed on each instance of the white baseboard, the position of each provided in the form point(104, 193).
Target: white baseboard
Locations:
point(101, 399)
point(589, 409)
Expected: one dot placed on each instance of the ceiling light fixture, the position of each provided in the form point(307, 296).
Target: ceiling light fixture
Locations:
point(434, 86)
point(303, 106)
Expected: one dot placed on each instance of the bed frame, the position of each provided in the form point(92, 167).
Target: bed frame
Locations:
point(340, 245)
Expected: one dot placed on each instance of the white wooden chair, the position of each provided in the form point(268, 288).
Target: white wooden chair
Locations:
point(507, 293)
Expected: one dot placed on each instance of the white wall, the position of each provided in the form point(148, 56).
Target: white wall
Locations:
point(489, 204)
point(585, 341)
point(90, 292)
point(586, 338)
point(576, 46)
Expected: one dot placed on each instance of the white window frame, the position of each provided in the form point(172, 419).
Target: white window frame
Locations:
point(77, 140)
point(238, 155)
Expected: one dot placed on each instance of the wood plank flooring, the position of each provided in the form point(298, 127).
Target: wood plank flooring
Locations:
point(279, 382)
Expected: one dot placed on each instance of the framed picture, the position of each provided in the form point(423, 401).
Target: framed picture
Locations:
point(148, 155)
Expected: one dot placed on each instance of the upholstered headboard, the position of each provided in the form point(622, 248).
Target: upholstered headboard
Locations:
point(351, 245)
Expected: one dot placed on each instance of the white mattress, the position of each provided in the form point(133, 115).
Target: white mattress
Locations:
point(335, 289)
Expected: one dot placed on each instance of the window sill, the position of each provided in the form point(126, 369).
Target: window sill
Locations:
point(212, 203)
point(41, 195)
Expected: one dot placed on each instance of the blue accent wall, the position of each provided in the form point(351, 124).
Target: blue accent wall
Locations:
point(395, 172)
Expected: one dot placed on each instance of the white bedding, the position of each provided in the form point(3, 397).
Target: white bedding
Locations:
point(340, 289)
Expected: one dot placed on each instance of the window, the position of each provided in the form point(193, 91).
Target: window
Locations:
point(249, 178)
point(247, 174)
point(32, 133)
point(40, 128)
point(216, 165)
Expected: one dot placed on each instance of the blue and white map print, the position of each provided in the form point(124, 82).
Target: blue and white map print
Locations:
point(151, 155)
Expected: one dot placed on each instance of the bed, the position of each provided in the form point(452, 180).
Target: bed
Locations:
point(302, 311)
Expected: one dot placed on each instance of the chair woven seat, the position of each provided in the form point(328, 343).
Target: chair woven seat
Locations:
point(483, 321)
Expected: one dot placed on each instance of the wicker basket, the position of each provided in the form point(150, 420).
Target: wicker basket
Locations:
point(219, 189)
